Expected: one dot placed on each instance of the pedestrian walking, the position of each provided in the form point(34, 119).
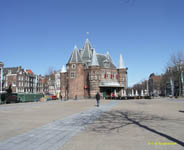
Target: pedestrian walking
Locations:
point(98, 99)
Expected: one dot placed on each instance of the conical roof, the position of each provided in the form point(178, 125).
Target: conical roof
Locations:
point(87, 50)
point(75, 57)
point(94, 61)
point(121, 62)
point(108, 56)
point(63, 70)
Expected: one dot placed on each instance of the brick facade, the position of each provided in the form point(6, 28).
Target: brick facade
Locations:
point(88, 73)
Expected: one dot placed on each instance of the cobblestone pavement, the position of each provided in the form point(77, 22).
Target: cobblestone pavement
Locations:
point(80, 125)
point(53, 135)
point(156, 124)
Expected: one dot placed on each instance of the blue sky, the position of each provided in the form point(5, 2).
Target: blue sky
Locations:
point(38, 34)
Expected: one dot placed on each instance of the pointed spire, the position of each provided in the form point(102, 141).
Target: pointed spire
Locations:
point(75, 47)
point(87, 45)
point(63, 70)
point(94, 59)
point(121, 63)
point(108, 56)
point(75, 57)
point(87, 50)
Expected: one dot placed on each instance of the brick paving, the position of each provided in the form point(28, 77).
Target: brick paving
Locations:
point(53, 135)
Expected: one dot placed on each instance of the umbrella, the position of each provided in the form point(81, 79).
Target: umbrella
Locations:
point(132, 92)
point(124, 92)
point(136, 93)
point(142, 93)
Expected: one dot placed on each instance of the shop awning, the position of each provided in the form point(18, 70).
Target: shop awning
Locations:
point(110, 84)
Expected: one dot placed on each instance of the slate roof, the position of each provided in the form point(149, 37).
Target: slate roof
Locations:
point(121, 62)
point(14, 70)
point(86, 56)
point(101, 58)
point(94, 61)
point(86, 51)
point(75, 57)
point(108, 56)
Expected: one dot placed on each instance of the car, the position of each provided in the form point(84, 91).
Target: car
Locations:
point(54, 97)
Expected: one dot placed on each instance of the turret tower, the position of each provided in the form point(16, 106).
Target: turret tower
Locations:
point(122, 72)
point(94, 72)
point(75, 75)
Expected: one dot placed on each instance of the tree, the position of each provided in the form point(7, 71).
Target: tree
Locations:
point(50, 79)
point(174, 71)
point(176, 59)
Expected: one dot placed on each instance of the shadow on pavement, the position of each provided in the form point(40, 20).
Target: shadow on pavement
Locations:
point(115, 120)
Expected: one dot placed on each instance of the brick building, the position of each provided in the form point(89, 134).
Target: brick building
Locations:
point(154, 84)
point(45, 85)
point(88, 72)
point(20, 80)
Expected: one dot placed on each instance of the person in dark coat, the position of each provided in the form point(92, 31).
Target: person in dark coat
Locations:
point(98, 99)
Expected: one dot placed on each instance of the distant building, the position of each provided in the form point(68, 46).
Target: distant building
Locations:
point(154, 84)
point(38, 86)
point(58, 83)
point(20, 80)
point(45, 85)
point(50, 83)
point(1, 75)
point(88, 72)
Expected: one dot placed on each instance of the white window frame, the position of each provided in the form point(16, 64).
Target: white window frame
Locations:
point(72, 75)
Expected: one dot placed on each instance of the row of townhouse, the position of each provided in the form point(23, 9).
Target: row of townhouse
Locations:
point(22, 81)
point(25, 81)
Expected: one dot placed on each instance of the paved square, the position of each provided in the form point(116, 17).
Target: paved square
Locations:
point(135, 125)
point(77, 125)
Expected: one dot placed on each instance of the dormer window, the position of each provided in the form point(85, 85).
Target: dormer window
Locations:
point(85, 66)
point(88, 62)
point(106, 63)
